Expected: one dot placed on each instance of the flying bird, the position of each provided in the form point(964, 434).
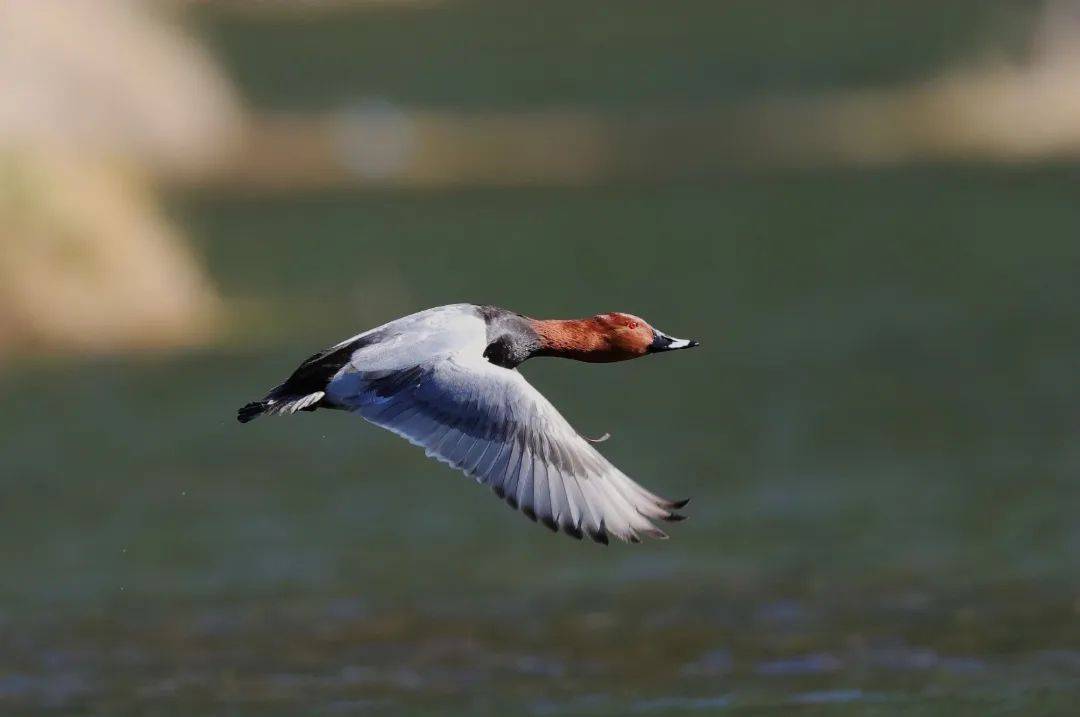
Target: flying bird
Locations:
point(446, 379)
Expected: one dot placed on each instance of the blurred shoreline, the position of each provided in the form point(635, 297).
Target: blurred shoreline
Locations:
point(971, 118)
point(96, 128)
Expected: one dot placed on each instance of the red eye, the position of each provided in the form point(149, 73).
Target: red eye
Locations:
point(633, 324)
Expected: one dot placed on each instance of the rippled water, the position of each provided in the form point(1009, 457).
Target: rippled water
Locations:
point(656, 653)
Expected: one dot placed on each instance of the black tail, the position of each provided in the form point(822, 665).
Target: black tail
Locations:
point(251, 411)
point(278, 404)
point(304, 389)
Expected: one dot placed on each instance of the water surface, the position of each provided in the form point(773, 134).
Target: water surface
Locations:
point(878, 432)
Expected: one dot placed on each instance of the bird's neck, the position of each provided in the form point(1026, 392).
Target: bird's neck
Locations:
point(578, 339)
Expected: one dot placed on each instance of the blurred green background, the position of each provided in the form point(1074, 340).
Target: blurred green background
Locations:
point(878, 432)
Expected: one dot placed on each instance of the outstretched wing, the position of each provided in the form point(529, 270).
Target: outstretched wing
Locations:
point(492, 424)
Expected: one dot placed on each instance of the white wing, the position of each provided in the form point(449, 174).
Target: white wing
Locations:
point(492, 424)
point(419, 337)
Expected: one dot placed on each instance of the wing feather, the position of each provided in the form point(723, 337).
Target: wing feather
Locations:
point(490, 423)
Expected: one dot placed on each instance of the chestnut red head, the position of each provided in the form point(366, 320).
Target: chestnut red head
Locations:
point(632, 336)
point(604, 338)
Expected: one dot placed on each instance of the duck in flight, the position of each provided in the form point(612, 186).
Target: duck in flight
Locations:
point(445, 379)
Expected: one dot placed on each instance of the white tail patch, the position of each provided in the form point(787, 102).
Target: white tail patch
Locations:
point(280, 408)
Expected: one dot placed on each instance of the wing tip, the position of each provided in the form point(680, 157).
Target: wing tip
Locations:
point(599, 535)
point(654, 532)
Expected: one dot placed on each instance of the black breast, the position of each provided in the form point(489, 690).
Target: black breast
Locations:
point(511, 338)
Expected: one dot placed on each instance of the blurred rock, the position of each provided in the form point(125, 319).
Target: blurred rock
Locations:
point(100, 96)
point(112, 78)
point(89, 264)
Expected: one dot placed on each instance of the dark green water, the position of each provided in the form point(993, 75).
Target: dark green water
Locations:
point(630, 54)
point(879, 434)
